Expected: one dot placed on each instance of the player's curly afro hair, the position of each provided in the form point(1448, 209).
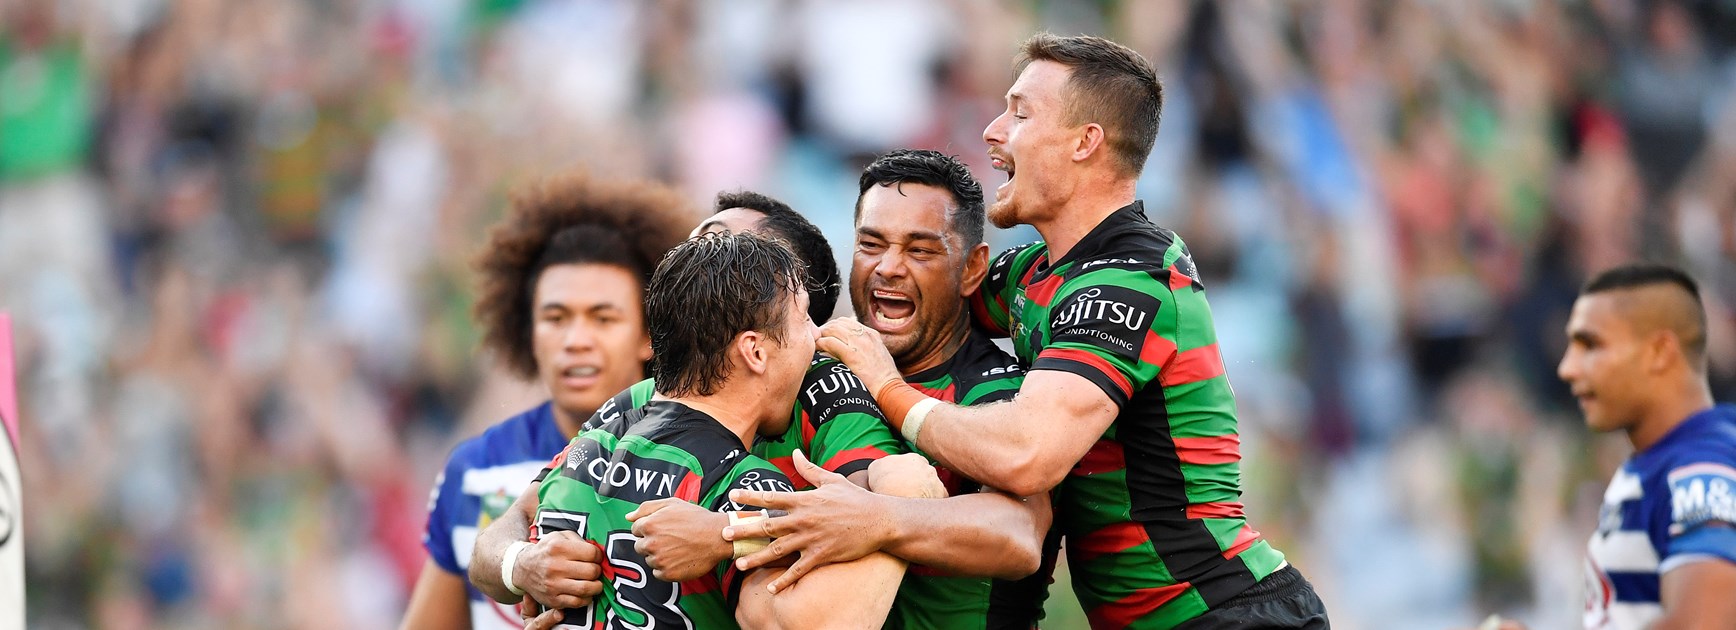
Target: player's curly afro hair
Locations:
point(571, 218)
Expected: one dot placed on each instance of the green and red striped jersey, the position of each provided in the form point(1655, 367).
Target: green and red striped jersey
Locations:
point(835, 422)
point(662, 450)
point(977, 373)
point(1152, 514)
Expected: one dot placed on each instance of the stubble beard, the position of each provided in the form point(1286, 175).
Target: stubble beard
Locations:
point(1003, 214)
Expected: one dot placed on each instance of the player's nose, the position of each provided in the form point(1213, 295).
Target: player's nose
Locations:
point(996, 133)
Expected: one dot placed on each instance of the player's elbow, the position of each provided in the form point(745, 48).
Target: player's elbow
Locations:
point(769, 616)
point(1027, 474)
point(1021, 560)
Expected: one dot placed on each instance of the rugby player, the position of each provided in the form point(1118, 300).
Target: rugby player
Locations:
point(918, 253)
point(561, 303)
point(728, 320)
point(1664, 554)
point(834, 420)
point(1125, 408)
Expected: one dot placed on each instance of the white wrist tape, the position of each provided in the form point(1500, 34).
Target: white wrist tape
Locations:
point(745, 546)
point(914, 419)
point(506, 564)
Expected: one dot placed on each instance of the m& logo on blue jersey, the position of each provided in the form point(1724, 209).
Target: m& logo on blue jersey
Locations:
point(1701, 493)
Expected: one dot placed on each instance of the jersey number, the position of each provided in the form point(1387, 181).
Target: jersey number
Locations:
point(640, 602)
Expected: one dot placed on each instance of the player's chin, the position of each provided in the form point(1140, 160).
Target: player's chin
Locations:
point(1004, 214)
point(581, 403)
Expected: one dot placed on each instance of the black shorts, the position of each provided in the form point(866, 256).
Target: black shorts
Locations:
point(1283, 600)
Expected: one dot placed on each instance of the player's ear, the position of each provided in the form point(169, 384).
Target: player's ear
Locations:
point(1660, 351)
point(976, 267)
point(1091, 139)
point(750, 348)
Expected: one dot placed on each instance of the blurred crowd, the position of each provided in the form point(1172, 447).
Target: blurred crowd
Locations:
point(235, 240)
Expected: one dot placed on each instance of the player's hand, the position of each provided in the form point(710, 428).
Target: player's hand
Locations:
point(681, 541)
point(860, 348)
point(560, 571)
point(834, 522)
point(907, 475)
point(545, 621)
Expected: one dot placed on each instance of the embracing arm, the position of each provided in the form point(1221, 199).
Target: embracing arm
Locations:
point(988, 534)
point(1025, 445)
point(491, 543)
point(560, 570)
point(438, 602)
point(1697, 595)
point(856, 594)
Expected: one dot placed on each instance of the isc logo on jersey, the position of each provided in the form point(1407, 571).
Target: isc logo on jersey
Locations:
point(1701, 493)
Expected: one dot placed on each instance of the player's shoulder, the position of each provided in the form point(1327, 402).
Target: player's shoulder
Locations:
point(821, 365)
point(669, 424)
point(1708, 436)
point(612, 409)
point(508, 441)
point(830, 390)
point(981, 361)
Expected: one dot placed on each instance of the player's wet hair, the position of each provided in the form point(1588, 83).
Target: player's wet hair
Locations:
point(1111, 85)
point(803, 238)
point(922, 166)
point(569, 219)
point(1641, 275)
point(708, 290)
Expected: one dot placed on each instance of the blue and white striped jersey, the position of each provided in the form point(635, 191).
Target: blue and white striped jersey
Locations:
point(1669, 505)
point(481, 479)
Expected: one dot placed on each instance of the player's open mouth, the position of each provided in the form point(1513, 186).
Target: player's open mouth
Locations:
point(1006, 166)
point(580, 376)
point(891, 310)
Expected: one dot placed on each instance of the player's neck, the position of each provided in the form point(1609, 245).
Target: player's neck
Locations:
point(1087, 207)
point(569, 423)
point(1686, 399)
point(940, 352)
point(740, 416)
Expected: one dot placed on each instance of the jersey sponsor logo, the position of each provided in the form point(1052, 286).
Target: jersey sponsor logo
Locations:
point(628, 478)
point(609, 412)
point(757, 481)
point(1111, 318)
point(1112, 261)
point(1003, 370)
point(1095, 306)
point(1185, 265)
point(836, 381)
point(1701, 493)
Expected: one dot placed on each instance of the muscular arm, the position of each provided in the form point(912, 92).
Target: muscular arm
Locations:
point(512, 526)
point(439, 601)
point(988, 534)
point(1697, 596)
point(560, 571)
point(854, 594)
point(1025, 445)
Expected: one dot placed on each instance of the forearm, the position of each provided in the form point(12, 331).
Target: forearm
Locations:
point(856, 594)
point(990, 443)
point(986, 534)
point(490, 551)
